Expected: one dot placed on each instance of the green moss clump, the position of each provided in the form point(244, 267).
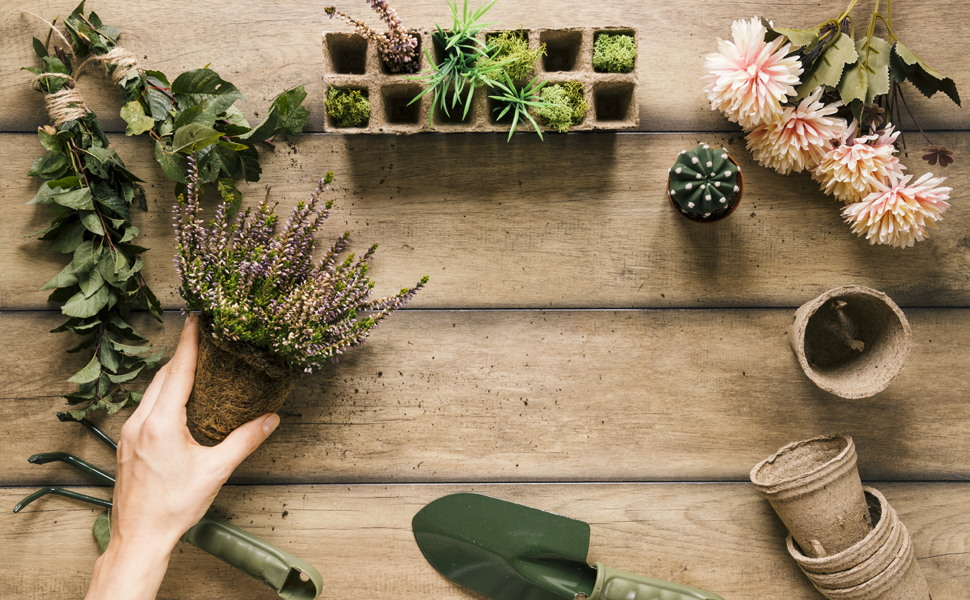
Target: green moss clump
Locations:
point(348, 108)
point(514, 46)
point(567, 105)
point(614, 53)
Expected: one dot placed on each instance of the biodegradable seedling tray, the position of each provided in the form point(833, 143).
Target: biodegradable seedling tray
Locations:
point(352, 62)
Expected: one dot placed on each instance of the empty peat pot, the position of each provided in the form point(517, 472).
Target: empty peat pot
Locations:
point(901, 580)
point(851, 341)
point(883, 519)
point(814, 487)
point(234, 384)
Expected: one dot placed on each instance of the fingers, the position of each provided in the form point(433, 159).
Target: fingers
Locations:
point(180, 371)
point(148, 399)
point(245, 439)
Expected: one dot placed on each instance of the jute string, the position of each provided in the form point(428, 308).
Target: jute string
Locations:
point(68, 104)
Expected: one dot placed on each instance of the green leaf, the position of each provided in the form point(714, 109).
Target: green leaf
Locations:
point(874, 53)
point(232, 196)
point(40, 48)
point(926, 79)
point(102, 530)
point(70, 237)
point(138, 122)
point(79, 306)
point(63, 279)
point(90, 282)
point(86, 257)
point(130, 232)
point(89, 373)
point(159, 103)
point(829, 67)
point(123, 377)
point(91, 222)
point(170, 163)
point(194, 137)
point(287, 115)
point(203, 113)
point(109, 358)
point(77, 199)
point(195, 86)
point(130, 350)
point(798, 37)
point(125, 328)
point(107, 198)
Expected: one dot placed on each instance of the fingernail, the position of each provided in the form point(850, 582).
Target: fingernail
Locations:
point(271, 423)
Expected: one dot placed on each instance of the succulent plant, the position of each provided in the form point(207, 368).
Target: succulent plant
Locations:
point(705, 183)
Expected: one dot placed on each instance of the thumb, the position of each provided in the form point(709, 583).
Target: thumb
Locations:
point(244, 440)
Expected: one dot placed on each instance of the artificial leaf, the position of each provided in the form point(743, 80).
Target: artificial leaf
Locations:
point(874, 55)
point(941, 154)
point(138, 122)
point(79, 306)
point(829, 66)
point(89, 373)
point(102, 530)
point(926, 79)
point(63, 279)
point(169, 163)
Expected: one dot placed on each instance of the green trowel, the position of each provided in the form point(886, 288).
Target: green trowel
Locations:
point(507, 551)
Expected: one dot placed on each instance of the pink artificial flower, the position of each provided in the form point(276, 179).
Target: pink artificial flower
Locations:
point(898, 214)
point(856, 167)
point(749, 79)
point(798, 140)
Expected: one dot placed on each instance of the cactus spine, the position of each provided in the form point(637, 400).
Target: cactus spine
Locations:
point(704, 183)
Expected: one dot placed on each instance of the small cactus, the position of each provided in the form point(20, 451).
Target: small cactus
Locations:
point(704, 184)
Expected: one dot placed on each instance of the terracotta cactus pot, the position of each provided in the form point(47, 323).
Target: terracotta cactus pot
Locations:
point(851, 341)
point(883, 518)
point(814, 487)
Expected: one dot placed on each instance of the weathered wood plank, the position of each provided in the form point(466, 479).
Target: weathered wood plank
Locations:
point(577, 221)
point(441, 396)
point(719, 537)
point(265, 47)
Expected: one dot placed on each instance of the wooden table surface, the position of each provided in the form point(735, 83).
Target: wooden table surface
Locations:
point(580, 347)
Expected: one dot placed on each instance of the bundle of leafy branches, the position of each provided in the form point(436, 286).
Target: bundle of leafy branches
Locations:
point(348, 108)
point(91, 193)
point(468, 63)
point(194, 114)
point(567, 106)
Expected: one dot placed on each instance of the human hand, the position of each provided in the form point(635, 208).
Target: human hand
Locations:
point(166, 480)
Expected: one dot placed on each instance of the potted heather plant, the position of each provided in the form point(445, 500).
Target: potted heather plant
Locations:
point(269, 313)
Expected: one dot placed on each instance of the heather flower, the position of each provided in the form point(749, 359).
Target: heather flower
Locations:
point(262, 287)
point(797, 141)
point(899, 214)
point(398, 48)
point(749, 79)
point(857, 166)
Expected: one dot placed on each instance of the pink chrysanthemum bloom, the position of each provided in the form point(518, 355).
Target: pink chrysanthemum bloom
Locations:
point(749, 79)
point(856, 166)
point(898, 214)
point(798, 140)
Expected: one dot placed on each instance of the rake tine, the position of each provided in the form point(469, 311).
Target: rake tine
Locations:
point(69, 459)
point(64, 417)
point(61, 492)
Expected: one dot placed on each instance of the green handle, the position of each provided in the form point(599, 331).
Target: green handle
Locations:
point(614, 584)
point(291, 577)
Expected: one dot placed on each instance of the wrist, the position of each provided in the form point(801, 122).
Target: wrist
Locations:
point(130, 570)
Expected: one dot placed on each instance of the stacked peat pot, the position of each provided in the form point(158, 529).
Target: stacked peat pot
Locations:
point(846, 538)
point(354, 63)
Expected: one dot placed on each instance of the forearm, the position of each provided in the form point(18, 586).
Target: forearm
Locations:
point(129, 572)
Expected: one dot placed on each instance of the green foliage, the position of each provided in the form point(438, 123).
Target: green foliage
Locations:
point(517, 101)
point(511, 48)
point(614, 53)
point(195, 113)
point(91, 194)
point(348, 108)
point(566, 106)
point(907, 66)
point(102, 530)
point(704, 183)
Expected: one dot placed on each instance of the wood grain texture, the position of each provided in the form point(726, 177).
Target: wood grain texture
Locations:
point(574, 222)
point(440, 396)
point(265, 47)
point(724, 538)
